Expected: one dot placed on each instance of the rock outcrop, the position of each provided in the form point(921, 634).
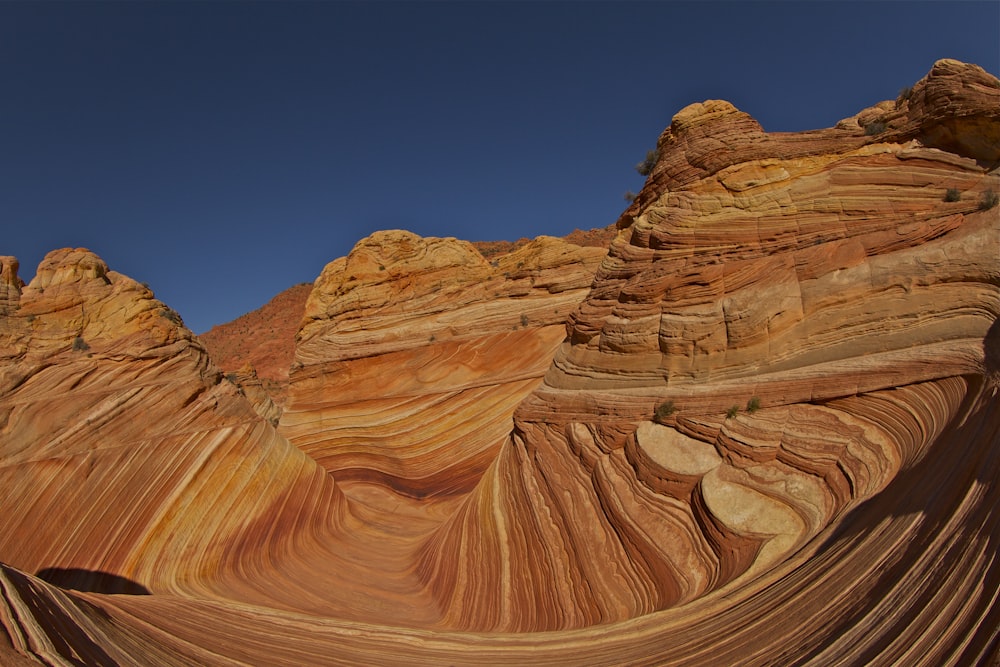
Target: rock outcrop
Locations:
point(413, 354)
point(805, 313)
point(264, 338)
point(764, 430)
point(125, 461)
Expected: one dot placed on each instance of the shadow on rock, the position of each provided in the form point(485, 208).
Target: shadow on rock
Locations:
point(91, 581)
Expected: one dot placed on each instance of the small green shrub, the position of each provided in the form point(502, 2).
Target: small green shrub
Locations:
point(952, 194)
point(753, 405)
point(732, 411)
point(664, 410)
point(646, 166)
point(875, 127)
point(524, 320)
point(630, 196)
point(80, 345)
point(989, 200)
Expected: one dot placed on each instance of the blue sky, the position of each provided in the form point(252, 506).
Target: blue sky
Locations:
point(224, 151)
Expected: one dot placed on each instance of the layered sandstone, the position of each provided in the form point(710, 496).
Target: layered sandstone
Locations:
point(126, 461)
point(413, 354)
point(822, 280)
point(264, 339)
point(765, 431)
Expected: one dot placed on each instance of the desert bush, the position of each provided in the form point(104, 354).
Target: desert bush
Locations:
point(904, 95)
point(732, 411)
point(664, 410)
point(172, 315)
point(989, 200)
point(630, 196)
point(952, 194)
point(753, 405)
point(875, 127)
point(646, 166)
point(80, 345)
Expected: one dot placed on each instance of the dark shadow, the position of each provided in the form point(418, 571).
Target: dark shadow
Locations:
point(966, 454)
point(991, 353)
point(91, 581)
point(54, 623)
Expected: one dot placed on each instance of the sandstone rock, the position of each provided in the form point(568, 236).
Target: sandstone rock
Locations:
point(821, 279)
point(414, 352)
point(10, 285)
point(123, 455)
point(251, 386)
point(264, 338)
point(768, 431)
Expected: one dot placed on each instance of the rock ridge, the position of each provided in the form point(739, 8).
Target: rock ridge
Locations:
point(771, 402)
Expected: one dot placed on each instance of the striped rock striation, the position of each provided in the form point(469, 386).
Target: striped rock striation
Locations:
point(764, 430)
point(413, 354)
point(126, 461)
point(803, 313)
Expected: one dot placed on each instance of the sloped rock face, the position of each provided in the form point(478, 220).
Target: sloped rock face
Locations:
point(806, 314)
point(767, 432)
point(264, 338)
point(414, 353)
point(10, 284)
point(123, 458)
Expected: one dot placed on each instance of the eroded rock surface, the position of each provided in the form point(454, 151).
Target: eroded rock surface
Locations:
point(414, 353)
point(764, 430)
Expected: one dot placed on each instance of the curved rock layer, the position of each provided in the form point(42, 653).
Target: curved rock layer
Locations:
point(414, 353)
point(123, 454)
point(769, 433)
point(801, 313)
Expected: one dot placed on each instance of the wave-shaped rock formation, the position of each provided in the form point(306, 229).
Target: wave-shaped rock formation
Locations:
point(761, 428)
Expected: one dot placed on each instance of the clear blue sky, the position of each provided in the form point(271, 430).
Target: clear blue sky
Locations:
point(224, 151)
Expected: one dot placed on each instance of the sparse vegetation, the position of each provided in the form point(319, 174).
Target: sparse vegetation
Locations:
point(630, 196)
point(80, 345)
point(753, 405)
point(875, 127)
point(732, 411)
point(664, 410)
point(172, 315)
point(646, 166)
point(524, 320)
point(952, 194)
point(989, 200)
point(904, 96)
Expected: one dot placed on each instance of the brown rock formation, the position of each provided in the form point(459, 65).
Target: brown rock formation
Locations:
point(413, 354)
point(10, 284)
point(122, 454)
point(818, 276)
point(768, 433)
point(264, 338)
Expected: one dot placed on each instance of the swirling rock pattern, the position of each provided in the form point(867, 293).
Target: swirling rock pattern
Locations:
point(414, 353)
point(768, 432)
